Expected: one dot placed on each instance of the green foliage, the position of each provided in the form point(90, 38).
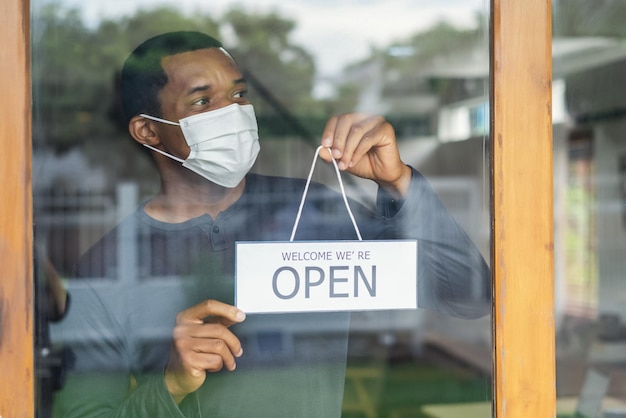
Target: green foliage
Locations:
point(443, 39)
point(263, 49)
point(589, 18)
point(440, 42)
point(76, 67)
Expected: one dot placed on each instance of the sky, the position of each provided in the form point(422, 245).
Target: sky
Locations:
point(337, 32)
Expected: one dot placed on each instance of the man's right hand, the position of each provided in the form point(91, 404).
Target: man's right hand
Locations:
point(201, 342)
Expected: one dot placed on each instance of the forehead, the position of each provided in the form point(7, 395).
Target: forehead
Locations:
point(209, 65)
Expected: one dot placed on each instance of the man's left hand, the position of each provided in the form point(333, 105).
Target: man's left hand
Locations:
point(365, 145)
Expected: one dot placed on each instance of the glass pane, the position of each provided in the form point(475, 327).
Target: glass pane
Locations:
point(590, 207)
point(132, 241)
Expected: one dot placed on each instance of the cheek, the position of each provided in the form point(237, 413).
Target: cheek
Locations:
point(182, 147)
point(175, 142)
point(185, 151)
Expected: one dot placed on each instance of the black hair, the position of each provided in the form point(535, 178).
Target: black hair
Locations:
point(143, 76)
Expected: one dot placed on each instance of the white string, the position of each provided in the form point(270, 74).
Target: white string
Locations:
point(169, 122)
point(173, 157)
point(306, 188)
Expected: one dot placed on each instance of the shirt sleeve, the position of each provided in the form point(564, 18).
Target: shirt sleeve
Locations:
point(453, 277)
point(109, 395)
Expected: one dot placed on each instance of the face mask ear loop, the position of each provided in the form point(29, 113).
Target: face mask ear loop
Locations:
point(180, 160)
point(306, 188)
point(169, 122)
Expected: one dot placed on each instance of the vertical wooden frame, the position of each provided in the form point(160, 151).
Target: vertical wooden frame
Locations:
point(522, 259)
point(16, 295)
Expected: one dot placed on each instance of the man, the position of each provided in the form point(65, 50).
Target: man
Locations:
point(186, 101)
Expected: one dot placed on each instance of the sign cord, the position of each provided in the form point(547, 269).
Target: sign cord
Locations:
point(306, 188)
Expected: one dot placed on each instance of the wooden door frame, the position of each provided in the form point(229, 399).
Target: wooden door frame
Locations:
point(16, 293)
point(522, 218)
point(522, 209)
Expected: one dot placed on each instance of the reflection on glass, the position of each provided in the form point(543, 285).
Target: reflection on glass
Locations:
point(141, 241)
point(590, 229)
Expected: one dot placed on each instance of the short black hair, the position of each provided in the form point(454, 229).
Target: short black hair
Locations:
point(143, 76)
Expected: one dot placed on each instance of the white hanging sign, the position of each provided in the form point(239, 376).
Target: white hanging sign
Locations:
point(315, 276)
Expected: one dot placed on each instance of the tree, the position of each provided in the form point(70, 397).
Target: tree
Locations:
point(263, 49)
point(589, 18)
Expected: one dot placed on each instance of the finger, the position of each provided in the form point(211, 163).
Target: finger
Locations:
point(337, 135)
point(345, 133)
point(210, 362)
point(192, 336)
point(362, 137)
point(377, 135)
point(329, 132)
point(226, 314)
point(211, 355)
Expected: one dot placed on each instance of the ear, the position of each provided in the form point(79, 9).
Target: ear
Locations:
point(142, 130)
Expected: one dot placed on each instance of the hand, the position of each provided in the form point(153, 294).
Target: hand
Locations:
point(365, 145)
point(201, 342)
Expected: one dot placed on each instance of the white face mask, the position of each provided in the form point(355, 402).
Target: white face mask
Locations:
point(224, 143)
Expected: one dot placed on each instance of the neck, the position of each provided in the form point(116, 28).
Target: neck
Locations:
point(182, 199)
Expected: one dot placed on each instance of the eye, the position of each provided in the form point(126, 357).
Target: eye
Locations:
point(241, 94)
point(201, 102)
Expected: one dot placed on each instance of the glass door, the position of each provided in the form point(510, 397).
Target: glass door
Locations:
point(424, 67)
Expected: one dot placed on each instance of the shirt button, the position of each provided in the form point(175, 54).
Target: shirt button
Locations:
point(216, 229)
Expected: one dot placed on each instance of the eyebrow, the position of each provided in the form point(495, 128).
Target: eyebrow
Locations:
point(206, 87)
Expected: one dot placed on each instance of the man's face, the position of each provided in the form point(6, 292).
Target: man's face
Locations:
point(198, 81)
